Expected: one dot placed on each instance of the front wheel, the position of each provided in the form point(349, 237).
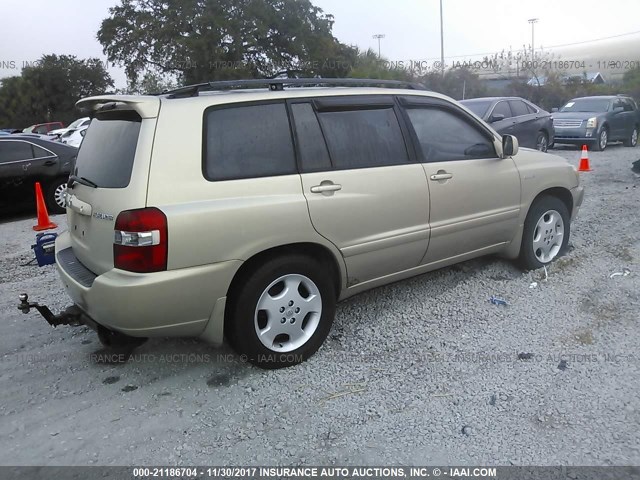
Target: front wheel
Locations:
point(281, 314)
point(632, 141)
point(603, 138)
point(542, 141)
point(546, 233)
point(56, 196)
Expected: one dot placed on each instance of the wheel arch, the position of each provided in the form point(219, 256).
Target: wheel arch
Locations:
point(561, 193)
point(309, 249)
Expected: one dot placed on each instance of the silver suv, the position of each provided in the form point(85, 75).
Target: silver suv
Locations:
point(227, 209)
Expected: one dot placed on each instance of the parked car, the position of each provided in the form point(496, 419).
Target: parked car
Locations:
point(81, 122)
point(43, 127)
point(73, 138)
point(515, 116)
point(598, 120)
point(10, 130)
point(25, 160)
point(285, 200)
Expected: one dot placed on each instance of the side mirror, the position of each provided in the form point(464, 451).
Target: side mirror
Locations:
point(509, 146)
point(496, 117)
point(554, 109)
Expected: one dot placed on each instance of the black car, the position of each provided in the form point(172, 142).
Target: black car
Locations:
point(598, 120)
point(515, 116)
point(25, 160)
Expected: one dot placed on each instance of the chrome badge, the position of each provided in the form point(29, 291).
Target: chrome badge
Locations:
point(103, 216)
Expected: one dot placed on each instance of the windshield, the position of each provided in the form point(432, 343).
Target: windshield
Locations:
point(76, 124)
point(479, 108)
point(586, 105)
point(108, 149)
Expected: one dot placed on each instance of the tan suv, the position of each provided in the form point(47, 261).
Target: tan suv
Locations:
point(226, 209)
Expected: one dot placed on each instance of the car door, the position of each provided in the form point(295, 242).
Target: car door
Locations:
point(474, 194)
point(364, 192)
point(617, 120)
point(526, 124)
point(16, 160)
point(501, 118)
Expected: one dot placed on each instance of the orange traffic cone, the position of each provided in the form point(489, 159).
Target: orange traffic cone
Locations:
point(584, 160)
point(43, 216)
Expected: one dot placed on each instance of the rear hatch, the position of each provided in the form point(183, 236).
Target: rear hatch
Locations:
point(111, 173)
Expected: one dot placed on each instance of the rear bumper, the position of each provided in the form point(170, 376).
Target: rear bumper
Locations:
point(172, 303)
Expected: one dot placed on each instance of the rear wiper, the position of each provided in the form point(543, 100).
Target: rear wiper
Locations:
point(82, 180)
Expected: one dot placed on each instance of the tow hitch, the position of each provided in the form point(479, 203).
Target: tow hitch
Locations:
point(70, 316)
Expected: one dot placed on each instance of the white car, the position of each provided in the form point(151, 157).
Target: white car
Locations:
point(74, 138)
point(81, 122)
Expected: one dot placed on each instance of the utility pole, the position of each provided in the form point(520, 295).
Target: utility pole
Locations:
point(533, 22)
point(441, 40)
point(379, 36)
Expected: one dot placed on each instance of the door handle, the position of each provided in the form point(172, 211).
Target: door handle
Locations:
point(49, 163)
point(326, 187)
point(441, 176)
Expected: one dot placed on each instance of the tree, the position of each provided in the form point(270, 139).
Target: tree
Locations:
point(49, 89)
point(202, 40)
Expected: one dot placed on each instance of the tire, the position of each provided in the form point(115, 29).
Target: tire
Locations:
point(546, 233)
point(264, 321)
point(112, 339)
point(601, 142)
point(632, 141)
point(542, 141)
point(54, 197)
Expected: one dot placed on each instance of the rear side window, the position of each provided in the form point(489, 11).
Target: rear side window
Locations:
point(41, 152)
point(445, 136)
point(314, 156)
point(247, 142)
point(518, 108)
point(109, 148)
point(363, 138)
point(15, 151)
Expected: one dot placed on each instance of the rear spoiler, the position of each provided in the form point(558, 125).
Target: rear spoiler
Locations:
point(145, 105)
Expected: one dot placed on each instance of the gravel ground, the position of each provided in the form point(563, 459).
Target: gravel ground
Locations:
point(425, 371)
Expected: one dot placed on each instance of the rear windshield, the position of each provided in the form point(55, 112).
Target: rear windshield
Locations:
point(586, 105)
point(108, 149)
point(479, 108)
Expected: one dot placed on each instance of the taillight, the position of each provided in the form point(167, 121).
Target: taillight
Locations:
point(141, 243)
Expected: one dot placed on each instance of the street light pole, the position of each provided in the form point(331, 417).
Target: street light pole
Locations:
point(533, 22)
point(441, 40)
point(379, 36)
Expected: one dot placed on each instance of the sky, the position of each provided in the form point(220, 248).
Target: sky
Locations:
point(411, 27)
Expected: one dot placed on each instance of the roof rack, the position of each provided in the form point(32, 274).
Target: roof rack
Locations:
point(278, 84)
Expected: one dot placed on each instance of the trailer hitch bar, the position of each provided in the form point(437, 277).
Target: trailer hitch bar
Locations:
point(70, 316)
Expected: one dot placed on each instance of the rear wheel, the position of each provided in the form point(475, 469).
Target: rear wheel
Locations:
point(542, 141)
point(603, 138)
point(632, 141)
point(56, 196)
point(281, 314)
point(546, 233)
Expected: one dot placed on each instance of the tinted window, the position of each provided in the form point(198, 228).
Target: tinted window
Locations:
point(14, 151)
point(108, 150)
point(445, 136)
point(314, 156)
point(39, 152)
point(531, 108)
point(502, 108)
point(480, 108)
point(249, 141)
point(518, 108)
point(364, 138)
point(41, 130)
point(628, 106)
